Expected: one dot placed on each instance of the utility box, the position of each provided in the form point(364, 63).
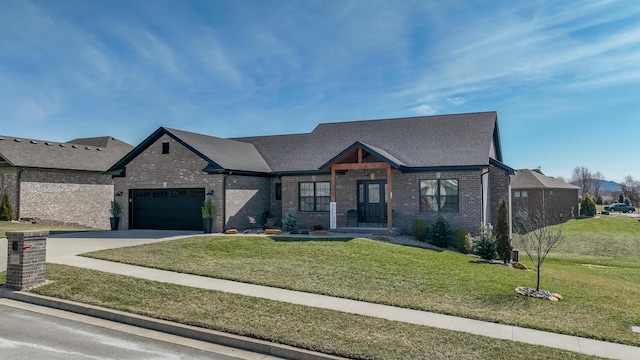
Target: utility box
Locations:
point(515, 255)
point(26, 257)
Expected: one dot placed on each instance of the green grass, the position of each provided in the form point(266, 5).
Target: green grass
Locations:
point(18, 226)
point(328, 331)
point(600, 302)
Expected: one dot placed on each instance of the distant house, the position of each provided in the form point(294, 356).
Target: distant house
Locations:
point(60, 182)
point(385, 172)
point(535, 195)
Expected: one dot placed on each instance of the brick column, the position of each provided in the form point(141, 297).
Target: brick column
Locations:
point(26, 256)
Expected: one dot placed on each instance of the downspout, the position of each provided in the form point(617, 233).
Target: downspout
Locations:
point(19, 185)
point(482, 195)
point(224, 202)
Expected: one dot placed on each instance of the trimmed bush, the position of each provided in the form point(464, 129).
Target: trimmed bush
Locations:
point(485, 246)
point(420, 229)
point(6, 210)
point(587, 206)
point(441, 234)
point(462, 240)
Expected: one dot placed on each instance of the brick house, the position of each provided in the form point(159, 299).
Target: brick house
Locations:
point(535, 195)
point(385, 172)
point(60, 182)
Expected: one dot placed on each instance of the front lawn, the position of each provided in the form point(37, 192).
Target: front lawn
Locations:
point(333, 332)
point(601, 293)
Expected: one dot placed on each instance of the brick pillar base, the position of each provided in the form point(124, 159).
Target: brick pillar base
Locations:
point(26, 256)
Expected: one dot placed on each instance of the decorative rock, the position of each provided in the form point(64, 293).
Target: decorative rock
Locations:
point(521, 266)
point(273, 231)
point(231, 232)
point(539, 294)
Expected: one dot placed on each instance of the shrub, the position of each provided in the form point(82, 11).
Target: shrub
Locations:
point(599, 200)
point(587, 206)
point(420, 229)
point(290, 221)
point(317, 227)
point(441, 234)
point(462, 240)
point(6, 210)
point(115, 209)
point(207, 209)
point(503, 242)
point(485, 246)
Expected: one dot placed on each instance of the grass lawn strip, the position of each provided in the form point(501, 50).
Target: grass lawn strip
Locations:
point(20, 226)
point(328, 331)
point(600, 303)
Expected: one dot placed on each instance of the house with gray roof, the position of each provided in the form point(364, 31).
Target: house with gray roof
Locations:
point(373, 173)
point(60, 182)
point(542, 200)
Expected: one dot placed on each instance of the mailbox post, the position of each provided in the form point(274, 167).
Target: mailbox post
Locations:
point(26, 256)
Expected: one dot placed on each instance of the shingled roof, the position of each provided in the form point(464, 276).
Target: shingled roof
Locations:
point(425, 142)
point(535, 179)
point(90, 154)
point(221, 154)
point(458, 140)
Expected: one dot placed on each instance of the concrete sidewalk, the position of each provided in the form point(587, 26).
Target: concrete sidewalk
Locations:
point(63, 249)
point(498, 331)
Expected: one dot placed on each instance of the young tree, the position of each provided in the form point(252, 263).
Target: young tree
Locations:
point(597, 180)
point(503, 242)
point(631, 190)
point(538, 239)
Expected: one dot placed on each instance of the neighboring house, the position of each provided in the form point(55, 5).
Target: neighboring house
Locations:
point(535, 195)
point(60, 182)
point(387, 172)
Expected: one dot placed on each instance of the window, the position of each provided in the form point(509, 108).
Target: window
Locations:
point(439, 195)
point(314, 196)
point(278, 192)
point(165, 147)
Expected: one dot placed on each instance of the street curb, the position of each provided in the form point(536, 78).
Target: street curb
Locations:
point(173, 328)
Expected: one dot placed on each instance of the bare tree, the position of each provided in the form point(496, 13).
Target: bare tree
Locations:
point(631, 189)
point(597, 180)
point(536, 238)
point(582, 176)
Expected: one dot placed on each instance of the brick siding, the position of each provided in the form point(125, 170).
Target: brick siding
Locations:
point(406, 197)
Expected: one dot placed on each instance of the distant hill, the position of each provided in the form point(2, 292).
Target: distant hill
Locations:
point(606, 185)
point(609, 186)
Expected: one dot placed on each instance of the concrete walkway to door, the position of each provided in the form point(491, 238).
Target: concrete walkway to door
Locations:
point(63, 249)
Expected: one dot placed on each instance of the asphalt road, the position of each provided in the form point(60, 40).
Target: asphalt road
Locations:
point(26, 334)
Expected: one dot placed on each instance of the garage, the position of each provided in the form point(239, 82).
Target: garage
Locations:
point(166, 209)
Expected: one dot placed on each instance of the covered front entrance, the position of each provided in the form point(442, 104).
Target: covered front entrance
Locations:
point(372, 201)
point(166, 209)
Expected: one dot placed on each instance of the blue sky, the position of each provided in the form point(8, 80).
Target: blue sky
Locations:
point(564, 76)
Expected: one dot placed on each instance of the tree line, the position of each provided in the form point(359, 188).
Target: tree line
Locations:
point(591, 183)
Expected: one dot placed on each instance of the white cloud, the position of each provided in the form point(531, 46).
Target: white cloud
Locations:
point(456, 101)
point(425, 110)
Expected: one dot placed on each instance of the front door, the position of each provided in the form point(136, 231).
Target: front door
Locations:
point(372, 201)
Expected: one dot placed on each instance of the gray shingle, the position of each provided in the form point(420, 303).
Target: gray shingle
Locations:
point(228, 154)
point(533, 179)
point(426, 141)
point(67, 156)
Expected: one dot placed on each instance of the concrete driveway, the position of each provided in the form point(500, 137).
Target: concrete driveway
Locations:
point(71, 244)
